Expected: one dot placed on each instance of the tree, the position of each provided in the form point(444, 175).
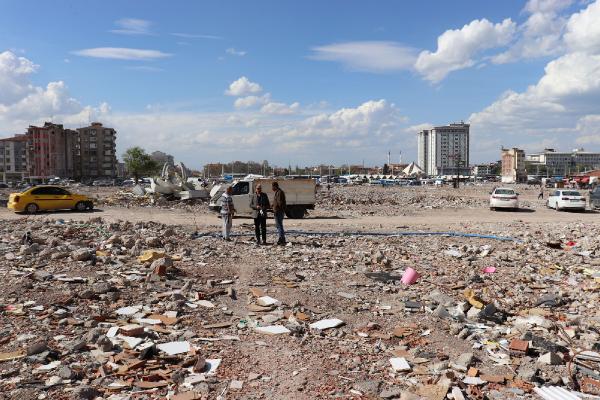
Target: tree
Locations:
point(386, 169)
point(138, 162)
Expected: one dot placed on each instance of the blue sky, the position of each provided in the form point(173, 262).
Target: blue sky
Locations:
point(330, 82)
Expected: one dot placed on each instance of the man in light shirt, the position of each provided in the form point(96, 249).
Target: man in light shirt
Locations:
point(227, 211)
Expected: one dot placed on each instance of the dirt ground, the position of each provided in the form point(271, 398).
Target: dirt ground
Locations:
point(55, 292)
point(380, 218)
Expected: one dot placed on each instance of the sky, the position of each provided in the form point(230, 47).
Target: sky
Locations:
point(305, 82)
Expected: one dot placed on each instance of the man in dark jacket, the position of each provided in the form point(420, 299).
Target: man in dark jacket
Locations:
point(278, 212)
point(259, 203)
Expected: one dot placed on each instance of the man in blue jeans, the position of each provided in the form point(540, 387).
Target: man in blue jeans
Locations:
point(278, 212)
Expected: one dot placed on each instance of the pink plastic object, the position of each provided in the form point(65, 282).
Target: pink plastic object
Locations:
point(489, 270)
point(409, 276)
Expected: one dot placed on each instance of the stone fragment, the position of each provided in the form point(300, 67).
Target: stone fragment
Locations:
point(81, 255)
point(550, 358)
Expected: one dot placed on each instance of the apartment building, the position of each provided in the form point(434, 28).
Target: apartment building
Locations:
point(49, 148)
point(94, 152)
point(444, 150)
point(513, 165)
point(13, 158)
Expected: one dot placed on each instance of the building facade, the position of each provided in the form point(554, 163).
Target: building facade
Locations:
point(50, 150)
point(513, 165)
point(444, 150)
point(13, 158)
point(94, 152)
point(551, 162)
point(483, 170)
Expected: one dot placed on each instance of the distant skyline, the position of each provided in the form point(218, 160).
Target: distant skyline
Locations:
point(301, 83)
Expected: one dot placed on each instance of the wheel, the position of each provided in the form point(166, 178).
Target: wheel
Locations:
point(90, 206)
point(295, 212)
point(81, 206)
point(492, 208)
point(32, 208)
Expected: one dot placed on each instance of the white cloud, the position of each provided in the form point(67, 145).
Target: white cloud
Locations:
point(14, 77)
point(588, 128)
point(251, 101)
point(347, 134)
point(132, 26)
point(583, 29)
point(194, 36)
point(373, 56)
point(557, 108)
point(232, 51)
point(541, 35)
point(546, 6)
point(242, 87)
point(414, 129)
point(457, 49)
point(280, 108)
point(22, 103)
point(122, 53)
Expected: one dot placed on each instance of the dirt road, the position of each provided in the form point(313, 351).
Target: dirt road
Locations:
point(446, 219)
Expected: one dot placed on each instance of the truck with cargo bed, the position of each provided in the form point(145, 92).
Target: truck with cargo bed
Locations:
point(300, 195)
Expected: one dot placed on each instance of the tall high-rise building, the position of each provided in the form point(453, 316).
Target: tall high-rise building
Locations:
point(95, 152)
point(13, 158)
point(444, 150)
point(50, 150)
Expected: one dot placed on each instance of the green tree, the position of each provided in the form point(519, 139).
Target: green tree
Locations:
point(138, 162)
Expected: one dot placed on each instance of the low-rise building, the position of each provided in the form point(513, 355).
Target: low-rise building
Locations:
point(552, 162)
point(483, 170)
point(13, 158)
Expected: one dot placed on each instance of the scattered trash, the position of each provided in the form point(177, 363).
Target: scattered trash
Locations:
point(410, 276)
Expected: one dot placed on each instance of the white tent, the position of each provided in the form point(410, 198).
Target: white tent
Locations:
point(413, 169)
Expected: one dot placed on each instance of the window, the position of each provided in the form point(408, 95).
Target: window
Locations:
point(241, 188)
point(41, 191)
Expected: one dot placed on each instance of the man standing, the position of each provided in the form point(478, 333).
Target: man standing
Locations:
point(259, 205)
point(541, 195)
point(278, 211)
point(227, 211)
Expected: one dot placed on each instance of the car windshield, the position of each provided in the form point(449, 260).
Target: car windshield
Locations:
point(504, 191)
point(571, 193)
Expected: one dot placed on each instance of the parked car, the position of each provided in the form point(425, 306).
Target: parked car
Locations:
point(42, 198)
point(3, 185)
point(504, 198)
point(595, 198)
point(566, 199)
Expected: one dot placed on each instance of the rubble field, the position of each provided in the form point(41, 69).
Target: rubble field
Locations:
point(100, 308)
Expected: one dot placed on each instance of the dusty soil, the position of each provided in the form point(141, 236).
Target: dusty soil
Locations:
point(354, 278)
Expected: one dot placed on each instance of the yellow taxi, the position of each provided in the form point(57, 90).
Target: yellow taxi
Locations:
point(42, 198)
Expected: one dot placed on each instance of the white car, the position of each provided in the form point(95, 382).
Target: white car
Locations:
point(504, 198)
point(566, 199)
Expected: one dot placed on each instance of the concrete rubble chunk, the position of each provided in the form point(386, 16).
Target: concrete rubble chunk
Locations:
point(327, 324)
point(173, 348)
point(550, 358)
point(399, 364)
point(273, 330)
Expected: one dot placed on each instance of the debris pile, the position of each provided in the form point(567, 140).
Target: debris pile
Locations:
point(375, 200)
point(123, 310)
